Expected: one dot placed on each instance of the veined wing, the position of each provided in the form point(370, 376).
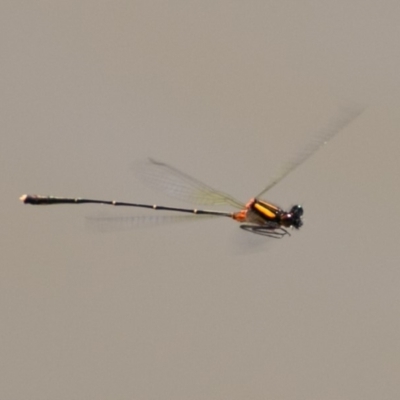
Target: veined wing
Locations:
point(125, 223)
point(323, 136)
point(181, 186)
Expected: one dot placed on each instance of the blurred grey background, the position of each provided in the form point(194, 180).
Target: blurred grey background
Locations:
point(226, 91)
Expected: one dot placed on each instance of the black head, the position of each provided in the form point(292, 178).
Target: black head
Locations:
point(296, 213)
point(293, 217)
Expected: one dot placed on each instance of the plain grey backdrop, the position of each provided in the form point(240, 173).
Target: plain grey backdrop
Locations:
point(226, 91)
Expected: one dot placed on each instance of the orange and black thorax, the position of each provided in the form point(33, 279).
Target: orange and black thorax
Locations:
point(259, 212)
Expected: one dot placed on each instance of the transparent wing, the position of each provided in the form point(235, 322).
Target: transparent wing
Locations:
point(322, 137)
point(181, 186)
point(127, 223)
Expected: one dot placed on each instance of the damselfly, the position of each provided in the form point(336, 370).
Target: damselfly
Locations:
point(256, 216)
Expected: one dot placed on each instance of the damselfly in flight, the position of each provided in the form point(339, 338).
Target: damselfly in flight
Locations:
point(256, 216)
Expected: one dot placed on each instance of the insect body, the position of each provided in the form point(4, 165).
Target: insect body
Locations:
point(267, 219)
point(257, 216)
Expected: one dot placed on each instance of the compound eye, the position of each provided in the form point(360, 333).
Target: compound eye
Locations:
point(297, 210)
point(299, 224)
